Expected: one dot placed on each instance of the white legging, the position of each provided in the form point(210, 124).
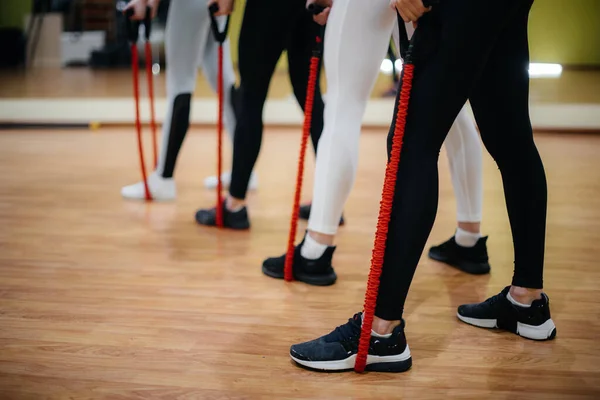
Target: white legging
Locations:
point(356, 39)
point(189, 44)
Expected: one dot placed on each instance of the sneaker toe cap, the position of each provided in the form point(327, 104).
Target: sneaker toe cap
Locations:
point(318, 350)
point(462, 309)
point(210, 182)
point(275, 262)
point(206, 217)
point(135, 191)
point(472, 311)
point(274, 266)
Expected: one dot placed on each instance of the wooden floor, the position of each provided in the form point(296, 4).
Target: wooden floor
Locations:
point(103, 298)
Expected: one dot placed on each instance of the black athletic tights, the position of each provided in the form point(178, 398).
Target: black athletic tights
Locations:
point(475, 50)
point(269, 27)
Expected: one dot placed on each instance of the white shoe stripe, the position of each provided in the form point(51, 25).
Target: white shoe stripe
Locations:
point(535, 332)
point(348, 363)
point(482, 323)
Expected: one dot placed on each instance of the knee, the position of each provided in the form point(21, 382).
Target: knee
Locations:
point(251, 98)
point(184, 82)
point(508, 153)
point(318, 105)
point(416, 146)
point(500, 142)
point(300, 95)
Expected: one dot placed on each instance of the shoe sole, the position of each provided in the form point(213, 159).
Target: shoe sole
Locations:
point(398, 363)
point(143, 197)
point(468, 267)
point(545, 331)
point(242, 228)
point(324, 280)
point(233, 228)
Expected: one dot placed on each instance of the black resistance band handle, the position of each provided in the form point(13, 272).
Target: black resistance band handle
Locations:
point(132, 27)
point(220, 36)
point(148, 23)
point(404, 42)
point(406, 45)
point(315, 9)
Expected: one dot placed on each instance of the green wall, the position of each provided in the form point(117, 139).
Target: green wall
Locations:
point(12, 13)
point(561, 31)
point(565, 31)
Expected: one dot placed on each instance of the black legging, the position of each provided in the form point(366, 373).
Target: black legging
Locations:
point(269, 27)
point(480, 54)
point(393, 58)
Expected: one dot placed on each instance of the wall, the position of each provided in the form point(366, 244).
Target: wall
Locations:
point(561, 31)
point(12, 13)
point(565, 32)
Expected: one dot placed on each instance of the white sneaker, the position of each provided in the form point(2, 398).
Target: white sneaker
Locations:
point(161, 189)
point(211, 181)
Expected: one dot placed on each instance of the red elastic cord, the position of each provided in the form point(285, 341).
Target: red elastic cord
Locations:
point(148, 56)
point(308, 107)
point(138, 125)
point(220, 140)
point(383, 221)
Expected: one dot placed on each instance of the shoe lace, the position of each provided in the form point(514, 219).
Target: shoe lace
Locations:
point(350, 329)
point(493, 300)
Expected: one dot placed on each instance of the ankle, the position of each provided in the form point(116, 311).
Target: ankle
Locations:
point(233, 204)
point(312, 249)
point(384, 327)
point(466, 238)
point(471, 227)
point(525, 295)
point(321, 238)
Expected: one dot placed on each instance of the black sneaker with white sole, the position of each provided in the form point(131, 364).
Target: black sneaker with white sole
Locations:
point(317, 272)
point(231, 219)
point(498, 312)
point(304, 213)
point(337, 350)
point(473, 260)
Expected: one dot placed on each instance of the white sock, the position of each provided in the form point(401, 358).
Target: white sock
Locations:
point(312, 249)
point(466, 239)
point(516, 303)
point(373, 333)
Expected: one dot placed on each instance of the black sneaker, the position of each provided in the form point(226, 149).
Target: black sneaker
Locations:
point(317, 272)
point(498, 312)
point(473, 260)
point(304, 213)
point(337, 350)
point(233, 220)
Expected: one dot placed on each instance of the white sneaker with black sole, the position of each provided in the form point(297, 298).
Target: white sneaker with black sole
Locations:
point(337, 350)
point(498, 311)
point(161, 189)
